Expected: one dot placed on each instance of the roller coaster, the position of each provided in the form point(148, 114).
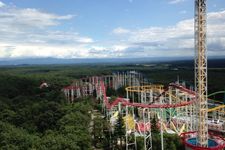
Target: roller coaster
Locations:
point(172, 106)
point(178, 109)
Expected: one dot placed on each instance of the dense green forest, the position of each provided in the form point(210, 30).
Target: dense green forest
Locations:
point(33, 118)
point(39, 119)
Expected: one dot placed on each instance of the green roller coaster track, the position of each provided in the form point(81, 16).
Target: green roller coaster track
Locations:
point(218, 92)
point(215, 93)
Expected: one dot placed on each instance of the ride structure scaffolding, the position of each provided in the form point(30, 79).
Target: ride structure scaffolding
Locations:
point(201, 73)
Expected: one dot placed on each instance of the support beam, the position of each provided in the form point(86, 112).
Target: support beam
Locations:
point(201, 72)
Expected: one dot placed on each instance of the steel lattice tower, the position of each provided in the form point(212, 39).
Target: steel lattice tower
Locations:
point(201, 72)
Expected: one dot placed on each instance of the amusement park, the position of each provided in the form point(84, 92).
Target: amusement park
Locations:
point(186, 111)
point(112, 75)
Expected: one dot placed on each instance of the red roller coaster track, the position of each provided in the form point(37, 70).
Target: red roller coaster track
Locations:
point(124, 102)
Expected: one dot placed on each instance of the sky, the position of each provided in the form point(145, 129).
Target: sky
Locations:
point(106, 28)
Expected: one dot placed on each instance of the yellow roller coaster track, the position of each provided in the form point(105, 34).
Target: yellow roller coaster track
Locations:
point(144, 88)
point(217, 108)
point(155, 88)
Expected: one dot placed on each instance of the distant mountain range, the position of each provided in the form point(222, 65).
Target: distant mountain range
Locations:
point(48, 61)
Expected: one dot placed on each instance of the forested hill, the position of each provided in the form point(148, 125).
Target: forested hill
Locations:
point(34, 118)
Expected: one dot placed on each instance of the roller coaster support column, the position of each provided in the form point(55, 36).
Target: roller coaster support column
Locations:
point(161, 125)
point(139, 94)
point(126, 123)
point(147, 129)
point(192, 118)
point(67, 93)
point(72, 95)
point(151, 96)
point(130, 133)
point(170, 102)
point(123, 79)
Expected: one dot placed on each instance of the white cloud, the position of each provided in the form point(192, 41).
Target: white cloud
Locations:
point(2, 4)
point(26, 33)
point(98, 48)
point(177, 40)
point(119, 47)
point(43, 50)
point(120, 30)
point(21, 19)
point(176, 1)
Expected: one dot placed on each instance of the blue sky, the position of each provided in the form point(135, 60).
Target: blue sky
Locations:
point(105, 28)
